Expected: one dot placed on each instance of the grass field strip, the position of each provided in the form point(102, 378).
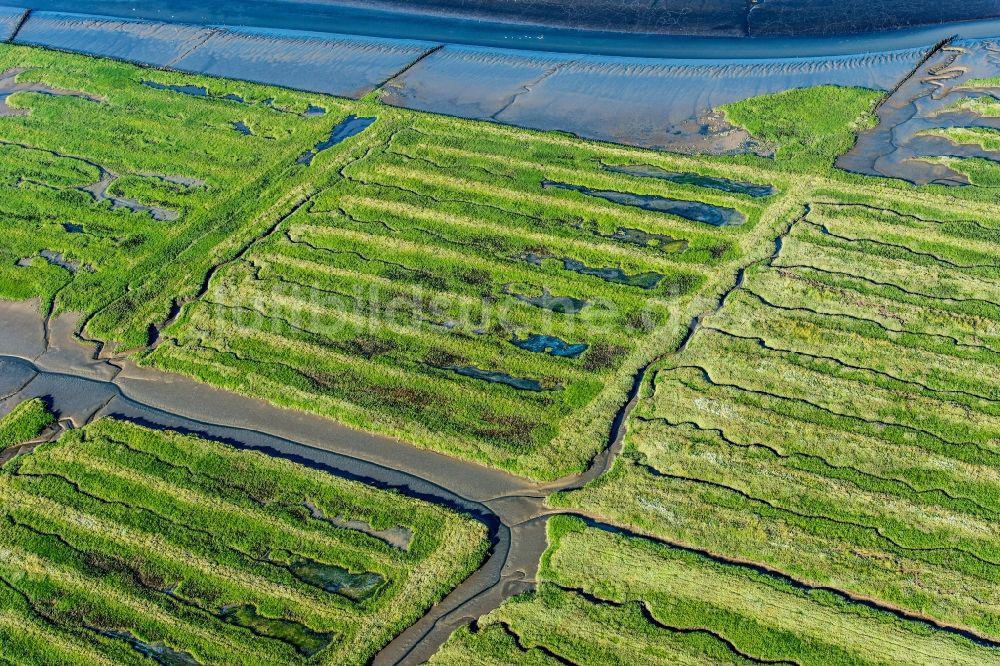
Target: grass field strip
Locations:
point(610, 595)
point(840, 413)
point(124, 542)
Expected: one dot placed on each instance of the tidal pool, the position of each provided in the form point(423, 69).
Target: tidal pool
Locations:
point(520, 383)
point(560, 304)
point(549, 344)
point(157, 651)
point(397, 537)
point(337, 580)
point(56, 259)
point(691, 178)
point(696, 211)
point(183, 181)
point(631, 236)
point(345, 129)
point(197, 91)
point(647, 280)
point(299, 636)
point(662, 242)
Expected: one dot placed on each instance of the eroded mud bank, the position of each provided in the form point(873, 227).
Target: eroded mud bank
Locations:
point(649, 102)
point(653, 103)
point(926, 100)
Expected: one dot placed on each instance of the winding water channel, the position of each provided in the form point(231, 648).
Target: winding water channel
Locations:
point(44, 359)
point(40, 361)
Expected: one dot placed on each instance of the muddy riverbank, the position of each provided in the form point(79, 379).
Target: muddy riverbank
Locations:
point(581, 82)
point(924, 101)
point(704, 29)
point(48, 362)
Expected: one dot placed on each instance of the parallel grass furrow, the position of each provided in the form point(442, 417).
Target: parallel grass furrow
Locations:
point(126, 541)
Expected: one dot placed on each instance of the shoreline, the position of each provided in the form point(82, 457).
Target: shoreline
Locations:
point(657, 103)
point(457, 30)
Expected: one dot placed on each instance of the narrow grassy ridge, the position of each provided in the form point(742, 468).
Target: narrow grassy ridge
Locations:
point(482, 290)
point(608, 598)
point(120, 544)
point(838, 417)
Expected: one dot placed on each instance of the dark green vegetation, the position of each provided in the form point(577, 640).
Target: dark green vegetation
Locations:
point(24, 423)
point(118, 542)
point(610, 599)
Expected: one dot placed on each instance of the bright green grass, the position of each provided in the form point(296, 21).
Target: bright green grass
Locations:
point(355, 286)
point(25, 422)
point(984, 105)
point(385, 283)
point(610, 599)
point(988, 82)
point(981, 172)
point(807, 127)
point(409, 261)
point(839, 417)
point(117, 534)
point(131, 266)
point(984, 137)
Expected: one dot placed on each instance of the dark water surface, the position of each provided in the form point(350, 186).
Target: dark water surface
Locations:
point(519, 383)
point(158, 652)
point(549, 344)
point(296, 634)
point(687, 29)
point(345, 129)
point(696, 211)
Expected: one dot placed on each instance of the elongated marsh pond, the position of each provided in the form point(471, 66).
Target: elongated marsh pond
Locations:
point(519, 383)
point(647, 280)
point(157, 651)
point(695, 211)
point(546, 301)
point(345, 129)
point(337, 580)
point(299, 636)
point(549, 344)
